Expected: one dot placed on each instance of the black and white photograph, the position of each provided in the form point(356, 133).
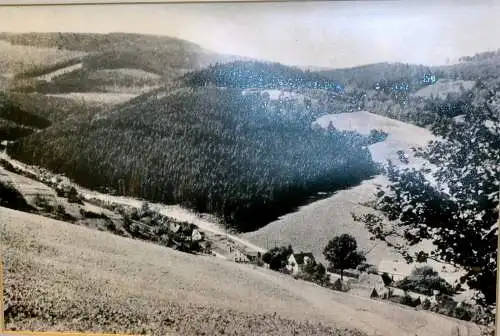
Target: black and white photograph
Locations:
point(250, 168)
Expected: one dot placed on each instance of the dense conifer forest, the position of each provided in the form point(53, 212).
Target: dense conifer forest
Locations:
point(213, 150)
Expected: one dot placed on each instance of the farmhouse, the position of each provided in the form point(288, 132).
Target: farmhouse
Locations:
point(196, 235)
point(296, 261)
point(254, 257)
point(396, 269)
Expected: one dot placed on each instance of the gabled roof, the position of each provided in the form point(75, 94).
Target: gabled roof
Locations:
point(299, 257)
point(401, 268)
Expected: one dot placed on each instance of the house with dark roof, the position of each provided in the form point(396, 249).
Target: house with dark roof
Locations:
point(296, 261)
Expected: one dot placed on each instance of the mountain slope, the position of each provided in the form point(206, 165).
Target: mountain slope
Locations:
point(162, 55)
point(312, 226)
point(173, 291)
point(213, 150)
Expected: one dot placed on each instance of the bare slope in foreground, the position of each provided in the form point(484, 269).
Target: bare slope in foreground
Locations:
point(69, 277)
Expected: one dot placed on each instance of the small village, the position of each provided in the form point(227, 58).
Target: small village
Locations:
point(384, 281)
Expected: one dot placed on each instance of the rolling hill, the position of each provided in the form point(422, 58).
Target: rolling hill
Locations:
point(162, 57)
point(139, 287)
point(19, 58)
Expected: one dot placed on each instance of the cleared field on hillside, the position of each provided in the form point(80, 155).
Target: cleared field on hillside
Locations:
point(97, 97)
point(66, 277)
point(444, 86)
point(402, 136)
point(51, 75)
point(17, 58)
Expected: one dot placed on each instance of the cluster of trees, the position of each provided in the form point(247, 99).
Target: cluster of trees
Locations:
point(425, 280)
point(481, 56)
point(9, 130)
point(255, 74)
point(419, 111)
point(458, 210)
point(277, 257)
point(212, 150)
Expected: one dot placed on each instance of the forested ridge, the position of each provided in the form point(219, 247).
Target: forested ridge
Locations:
point(256, 74)
point(209, 149)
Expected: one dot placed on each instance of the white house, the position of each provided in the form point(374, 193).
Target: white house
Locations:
point(395, 268)
point(174, 227)
point(196, 235)
point(297, 260)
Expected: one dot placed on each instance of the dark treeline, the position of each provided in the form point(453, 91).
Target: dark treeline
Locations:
point(11, 111)
point(255, 74)
point(12, 131)
point(53, 109)
point(90, 42)
point(387, 76)
point(42, 70)
point(481, 56)
point(212, 150)
point(86, 80)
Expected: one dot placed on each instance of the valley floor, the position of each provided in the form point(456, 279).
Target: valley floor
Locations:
point(66, 277)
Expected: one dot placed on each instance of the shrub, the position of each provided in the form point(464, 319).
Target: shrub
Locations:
point(11, 198)
point(425, 280)
point(277, 257)
point(73, 196)
point(426, 304)
point(61, 214)
point(93, 215)
point(386, 278)
point(43, 203)
point(315, 272)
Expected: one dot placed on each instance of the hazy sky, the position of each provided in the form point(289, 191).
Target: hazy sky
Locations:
point(333, 34)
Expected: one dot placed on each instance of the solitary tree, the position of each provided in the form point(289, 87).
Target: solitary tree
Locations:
point(342, 253)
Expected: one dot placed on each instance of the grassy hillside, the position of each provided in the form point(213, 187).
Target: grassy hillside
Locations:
point(19, 58)
point(174, 292)
point(162, 55)
point(213, 150)
point(120, 63)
